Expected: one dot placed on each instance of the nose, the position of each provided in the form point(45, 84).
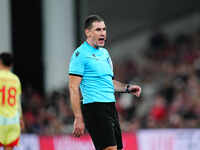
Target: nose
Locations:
point(103, 32)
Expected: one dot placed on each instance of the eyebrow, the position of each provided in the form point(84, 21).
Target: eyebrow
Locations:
point(98, 29)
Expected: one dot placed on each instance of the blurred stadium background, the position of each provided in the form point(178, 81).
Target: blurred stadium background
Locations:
point(155, 44)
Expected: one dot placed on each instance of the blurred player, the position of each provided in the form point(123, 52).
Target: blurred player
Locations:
point(10, 106)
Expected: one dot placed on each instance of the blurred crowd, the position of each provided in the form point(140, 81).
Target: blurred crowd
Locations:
point(169, 76)
point(48, 115)
point(170, 79)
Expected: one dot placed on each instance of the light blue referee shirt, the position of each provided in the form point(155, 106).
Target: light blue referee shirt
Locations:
point(95, 67)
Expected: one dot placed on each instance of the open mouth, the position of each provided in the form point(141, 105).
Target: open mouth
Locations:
point(101, 40)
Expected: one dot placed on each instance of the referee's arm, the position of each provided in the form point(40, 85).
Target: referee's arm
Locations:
point(75, 96)
point(127, 88)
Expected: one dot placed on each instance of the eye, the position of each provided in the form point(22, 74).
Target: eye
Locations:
point(98, 29)
point(104, 29)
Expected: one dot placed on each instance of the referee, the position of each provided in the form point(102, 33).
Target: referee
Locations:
point(91, 78)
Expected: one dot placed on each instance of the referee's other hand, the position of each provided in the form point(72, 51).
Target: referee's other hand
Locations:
point(135, 90)
point(79, 127)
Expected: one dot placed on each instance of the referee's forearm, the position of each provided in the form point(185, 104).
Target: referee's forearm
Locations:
point(75, 102)
point(119, 86)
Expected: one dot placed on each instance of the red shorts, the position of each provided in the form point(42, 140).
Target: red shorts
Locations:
point(13, 144)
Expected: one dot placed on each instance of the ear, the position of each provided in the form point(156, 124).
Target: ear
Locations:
point(87, 33)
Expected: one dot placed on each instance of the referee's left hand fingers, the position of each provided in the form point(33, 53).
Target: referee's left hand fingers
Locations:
point(136, 90)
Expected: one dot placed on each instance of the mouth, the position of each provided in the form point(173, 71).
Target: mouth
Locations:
point(101, 40)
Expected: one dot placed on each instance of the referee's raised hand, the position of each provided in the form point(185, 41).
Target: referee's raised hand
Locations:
point(79, 127)
point(135, 90)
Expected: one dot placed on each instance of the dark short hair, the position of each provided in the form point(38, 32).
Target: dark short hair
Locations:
point(90, 19)
point(7, 59)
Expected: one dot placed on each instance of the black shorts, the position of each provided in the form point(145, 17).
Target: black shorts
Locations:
point(102, 123)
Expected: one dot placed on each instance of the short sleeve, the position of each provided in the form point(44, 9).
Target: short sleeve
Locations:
point(76, 66)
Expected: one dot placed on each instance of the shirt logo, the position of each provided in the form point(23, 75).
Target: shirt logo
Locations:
point(77, 53)
point(94, 57)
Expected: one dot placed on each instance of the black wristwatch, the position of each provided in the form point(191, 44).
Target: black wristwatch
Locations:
point(127, 89)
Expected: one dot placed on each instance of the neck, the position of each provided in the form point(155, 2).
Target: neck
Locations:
point(5, 68)
point(92, 44)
